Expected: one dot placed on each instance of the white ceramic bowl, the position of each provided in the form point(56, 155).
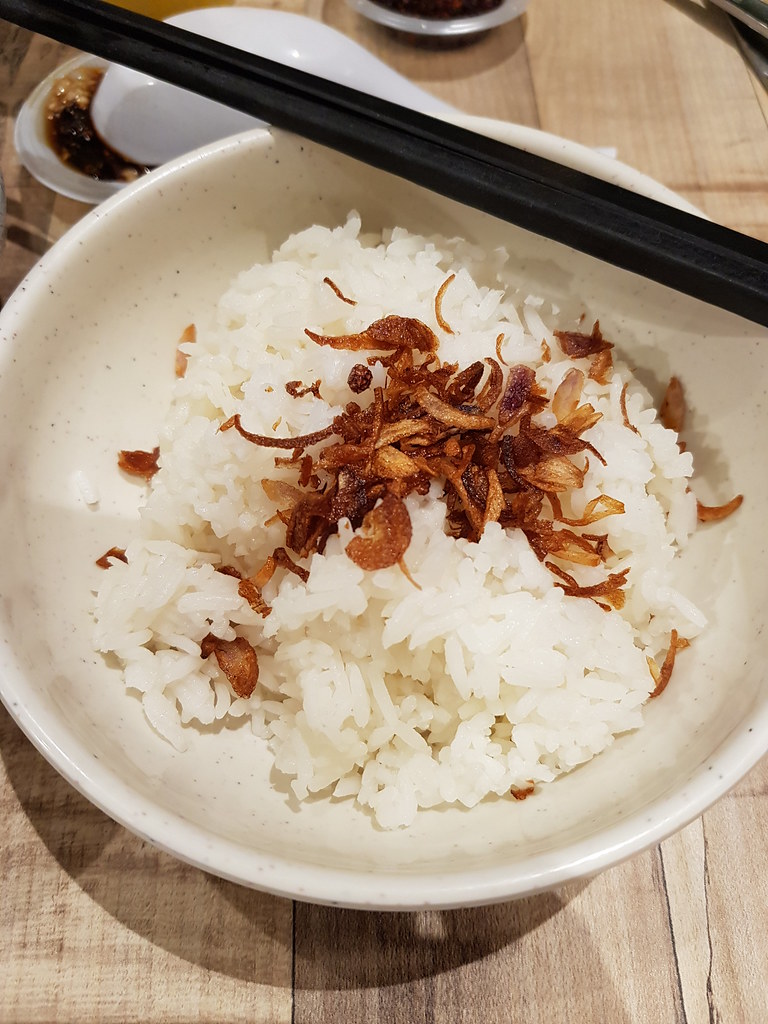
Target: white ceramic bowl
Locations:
point(83, 346)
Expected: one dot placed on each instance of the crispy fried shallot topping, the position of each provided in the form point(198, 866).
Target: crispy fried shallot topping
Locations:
point(385, 537)
point(522, 794)
point(439, 304)
point(471, 429)
point(672, 414)
point(249, 592)
point(499, 343)
point(623, 404)
point(106, 559)
point(601, 366)
point(661, 676)
point(229, 570)
point(282, 559)
point(578, 345)
point(139, 463)
point(182, 358)
point(337, 291)
point(672, 411)
point(237, 660)
point(521, 396)
point(390, 333)
point(297, 390)
point(596, 509)
point(610, 589)
point(265, 441)
point(714, 513)
point(567, 394)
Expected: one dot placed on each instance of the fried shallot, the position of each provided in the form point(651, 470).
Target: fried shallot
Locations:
point(385, 536)
point(188, 335)
point(106, 559)
point(472, 429)
point(139, 463)
point(237, 660)
point(714, 513)
point(672, 411)
point(338, 292)
point(661, 676)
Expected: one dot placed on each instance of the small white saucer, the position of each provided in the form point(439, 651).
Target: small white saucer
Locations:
point(36, 153)
point(151, 122)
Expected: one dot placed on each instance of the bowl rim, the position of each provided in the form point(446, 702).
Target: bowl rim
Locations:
point(379, 889)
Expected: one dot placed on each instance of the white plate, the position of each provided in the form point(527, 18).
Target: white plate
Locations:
point(38, 156)
point(82, 346)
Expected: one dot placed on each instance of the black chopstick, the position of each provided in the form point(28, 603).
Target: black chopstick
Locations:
point(687, 253)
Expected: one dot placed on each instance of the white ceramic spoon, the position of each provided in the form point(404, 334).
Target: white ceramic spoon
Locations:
point(151, 122)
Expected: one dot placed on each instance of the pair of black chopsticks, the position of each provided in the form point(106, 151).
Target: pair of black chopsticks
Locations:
point(687, 253)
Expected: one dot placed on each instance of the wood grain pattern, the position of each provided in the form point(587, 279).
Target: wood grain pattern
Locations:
point(95, 925)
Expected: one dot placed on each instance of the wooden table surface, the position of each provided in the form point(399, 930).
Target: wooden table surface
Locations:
point(95, 925)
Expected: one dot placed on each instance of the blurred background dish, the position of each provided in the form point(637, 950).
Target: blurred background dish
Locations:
point(162, 9)
point(427, 22)
point(149, 122)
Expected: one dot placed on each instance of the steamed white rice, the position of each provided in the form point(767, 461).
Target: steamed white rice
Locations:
point(487, 679)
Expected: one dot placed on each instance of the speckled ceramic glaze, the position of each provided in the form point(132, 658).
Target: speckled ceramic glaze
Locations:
point(85, 370)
